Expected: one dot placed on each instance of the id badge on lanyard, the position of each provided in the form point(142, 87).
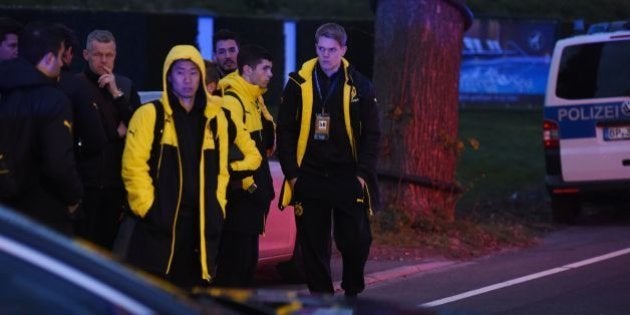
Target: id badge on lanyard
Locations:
point(322, 127)
point(322, 120)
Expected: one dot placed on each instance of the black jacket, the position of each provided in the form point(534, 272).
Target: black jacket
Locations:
point(98, 146)
point(88, 130)
point(41, 115)
point(362, 125)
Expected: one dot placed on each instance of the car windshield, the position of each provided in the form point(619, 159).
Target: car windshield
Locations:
point(595, 70)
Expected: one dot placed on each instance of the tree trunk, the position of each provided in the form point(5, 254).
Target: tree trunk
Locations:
point(418, 47)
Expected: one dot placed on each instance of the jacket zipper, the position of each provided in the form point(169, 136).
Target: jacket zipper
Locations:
point(179, 199)
point(159, 164)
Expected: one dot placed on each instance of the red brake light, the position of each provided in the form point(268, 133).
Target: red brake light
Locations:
point(565, 191)
point(550, 134)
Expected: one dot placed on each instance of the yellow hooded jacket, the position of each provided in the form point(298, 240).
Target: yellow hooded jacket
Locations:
point(253, 105)
point(157, 200)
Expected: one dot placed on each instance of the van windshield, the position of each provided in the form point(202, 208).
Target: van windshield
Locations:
point(595, 70)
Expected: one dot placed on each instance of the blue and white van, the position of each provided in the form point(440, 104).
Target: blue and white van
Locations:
point(586, 128)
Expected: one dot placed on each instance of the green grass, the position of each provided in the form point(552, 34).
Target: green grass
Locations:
point(509, 158)
point(504, 203)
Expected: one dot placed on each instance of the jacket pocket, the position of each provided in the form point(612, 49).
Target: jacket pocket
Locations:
point(367, 199)
point(297, 191)
point(157, 217)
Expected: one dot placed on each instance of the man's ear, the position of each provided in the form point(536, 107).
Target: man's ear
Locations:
point(86, 54)
point(46, 63)
point(343, 50)
point(247, 72)
point(247, 69)
point(49, 59)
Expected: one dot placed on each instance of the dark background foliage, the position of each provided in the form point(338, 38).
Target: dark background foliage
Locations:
point(590, 11)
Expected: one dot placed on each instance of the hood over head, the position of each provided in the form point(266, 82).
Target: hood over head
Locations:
point(184, 52)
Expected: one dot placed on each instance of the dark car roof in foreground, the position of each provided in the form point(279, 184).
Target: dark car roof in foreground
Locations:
point(23, 237)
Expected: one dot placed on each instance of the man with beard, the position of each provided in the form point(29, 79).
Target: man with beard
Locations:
point(225, 51)
point(36, 156)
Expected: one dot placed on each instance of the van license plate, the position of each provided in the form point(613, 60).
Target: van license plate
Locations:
point(616, 133)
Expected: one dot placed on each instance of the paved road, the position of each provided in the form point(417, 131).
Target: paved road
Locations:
point(583, 269)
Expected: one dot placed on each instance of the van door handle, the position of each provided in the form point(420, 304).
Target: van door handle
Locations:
point(613, 123)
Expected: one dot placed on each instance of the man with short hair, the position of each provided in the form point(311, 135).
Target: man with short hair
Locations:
point(36, 131)
point(71, 45)
point(225, 51)
point(88, 129)
point(328, 136)
point(99, 148)
point(9, 31)
point(248, 197)
point(175, 169)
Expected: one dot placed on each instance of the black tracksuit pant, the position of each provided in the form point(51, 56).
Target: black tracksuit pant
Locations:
point(238, 249)
point(336, 200)
point(237, 259)
point(102, 210)
point(186, 265)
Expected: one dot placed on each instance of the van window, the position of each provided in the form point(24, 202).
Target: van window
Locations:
point(594, 70)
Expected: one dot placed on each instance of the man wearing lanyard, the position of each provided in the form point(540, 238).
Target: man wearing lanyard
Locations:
point(328, 135)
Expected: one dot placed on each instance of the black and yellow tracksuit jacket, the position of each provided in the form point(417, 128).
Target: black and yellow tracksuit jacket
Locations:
point(259, 124)
point(36, 120)
point(361, 120)
point(157, 200)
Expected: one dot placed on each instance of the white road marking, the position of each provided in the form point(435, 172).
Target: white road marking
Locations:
point(534, 276)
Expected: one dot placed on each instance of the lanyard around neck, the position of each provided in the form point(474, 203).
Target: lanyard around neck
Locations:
point(331, 88)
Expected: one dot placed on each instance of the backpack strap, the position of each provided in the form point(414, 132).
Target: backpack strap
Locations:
point(158, 129)
point(231, 126)
point(234, 95)
point(215, 135)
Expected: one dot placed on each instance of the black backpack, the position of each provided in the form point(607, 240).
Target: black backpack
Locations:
point(13, 147)
point(9, 186)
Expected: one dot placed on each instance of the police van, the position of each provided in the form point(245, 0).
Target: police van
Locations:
point(586, 127)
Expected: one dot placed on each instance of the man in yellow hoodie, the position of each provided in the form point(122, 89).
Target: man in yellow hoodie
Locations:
point(175, 171)
point(248, 197)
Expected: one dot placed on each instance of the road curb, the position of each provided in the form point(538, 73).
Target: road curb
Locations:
point(404, 271)
point(395, 273)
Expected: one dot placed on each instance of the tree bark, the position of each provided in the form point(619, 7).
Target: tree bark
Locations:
point(418, 46)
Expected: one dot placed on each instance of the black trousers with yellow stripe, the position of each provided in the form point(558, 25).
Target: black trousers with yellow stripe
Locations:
point(332, 201)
